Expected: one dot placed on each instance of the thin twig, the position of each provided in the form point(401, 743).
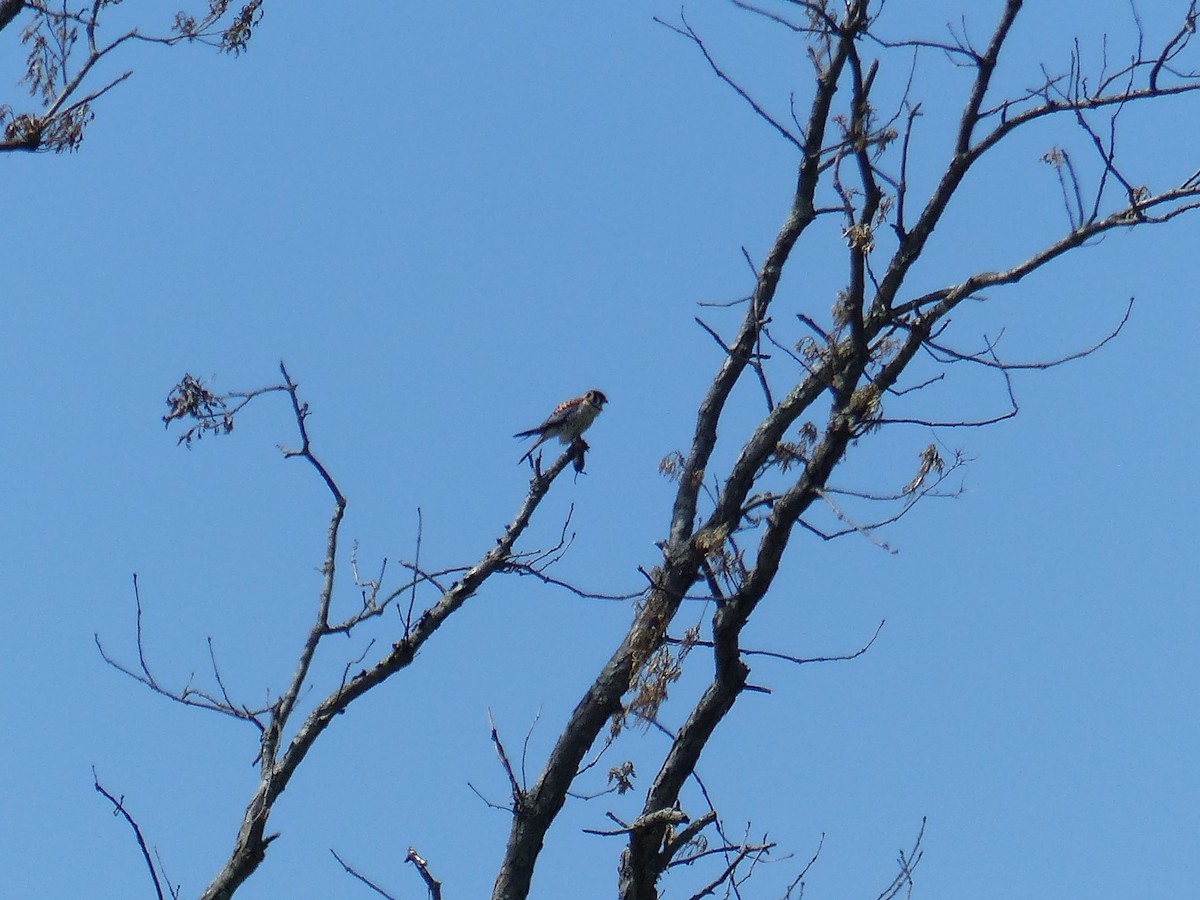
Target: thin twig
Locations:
point(798, 660)
point(119, 809)
point(688, 32)
point(518, 792)
point(356, 874)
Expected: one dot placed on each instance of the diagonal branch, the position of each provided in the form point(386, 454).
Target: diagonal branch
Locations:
point(119, 809)
point(690, 33)
point(252, 841)
point(188, 696)
point(354, 873)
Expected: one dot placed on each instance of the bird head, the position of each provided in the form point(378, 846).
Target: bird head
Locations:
point(596, 398)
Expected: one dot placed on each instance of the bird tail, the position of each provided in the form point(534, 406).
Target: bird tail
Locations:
point(541, 439)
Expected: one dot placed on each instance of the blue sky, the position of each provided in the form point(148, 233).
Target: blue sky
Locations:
point(448, 217)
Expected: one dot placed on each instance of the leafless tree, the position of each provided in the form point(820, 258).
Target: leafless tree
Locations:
point(823, 382)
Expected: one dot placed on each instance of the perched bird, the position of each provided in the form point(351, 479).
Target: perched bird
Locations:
point(568, 421)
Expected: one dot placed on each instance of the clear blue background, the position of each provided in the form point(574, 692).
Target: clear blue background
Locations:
point(448, 217)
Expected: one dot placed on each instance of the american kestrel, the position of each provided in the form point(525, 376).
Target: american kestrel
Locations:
point(568, 421)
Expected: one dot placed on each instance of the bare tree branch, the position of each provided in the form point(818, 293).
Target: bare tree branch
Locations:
point(435, 886)
point(189, 696)
point(798, 660)
point(281, 755)
point(119, 809)
point(359, 876)
point(518, 792)
point(908, 862)
point(9, 9)
point(688, 32)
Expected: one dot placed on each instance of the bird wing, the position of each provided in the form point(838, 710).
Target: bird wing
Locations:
point(561, 414)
